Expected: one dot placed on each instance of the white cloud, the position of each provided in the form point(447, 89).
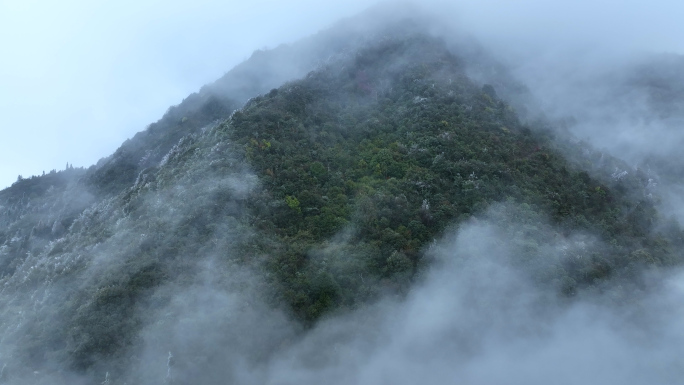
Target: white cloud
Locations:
point(80, 77)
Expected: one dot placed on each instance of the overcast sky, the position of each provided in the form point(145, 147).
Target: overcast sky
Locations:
point(79, 77)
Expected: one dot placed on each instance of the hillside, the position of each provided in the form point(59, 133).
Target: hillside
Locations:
point(303, 194)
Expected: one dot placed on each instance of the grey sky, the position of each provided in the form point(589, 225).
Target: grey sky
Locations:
point(79, 77)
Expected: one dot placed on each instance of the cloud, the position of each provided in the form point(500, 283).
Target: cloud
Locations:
point(478, 315)
point(79, 78)
point(477, 318)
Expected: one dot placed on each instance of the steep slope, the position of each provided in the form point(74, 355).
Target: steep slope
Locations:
point(263, 71)
point(391, 155)
point(630, 108)
point(319, 196)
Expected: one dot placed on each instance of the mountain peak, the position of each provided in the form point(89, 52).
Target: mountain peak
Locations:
point(371, 183)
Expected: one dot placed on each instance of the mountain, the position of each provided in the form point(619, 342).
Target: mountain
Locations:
point(308, 183)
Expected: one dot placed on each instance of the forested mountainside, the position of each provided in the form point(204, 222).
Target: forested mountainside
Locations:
point(397, 154)
point(263, 71)
point(214, 240)
point(632, 110)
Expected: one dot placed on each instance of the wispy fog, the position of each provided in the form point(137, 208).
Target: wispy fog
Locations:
point(79, 78)
point(491, 303)
point(478, 318)
point(624, 104)
point(479, 315)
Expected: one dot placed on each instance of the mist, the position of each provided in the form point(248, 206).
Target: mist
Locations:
point(79, 79)
point(476, 317)
point(176, 259)
point(480, 314)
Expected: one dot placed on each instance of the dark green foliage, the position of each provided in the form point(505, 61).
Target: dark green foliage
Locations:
point(393, 154)
point(360, 167)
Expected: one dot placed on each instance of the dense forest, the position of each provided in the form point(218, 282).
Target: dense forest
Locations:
point(270, 203)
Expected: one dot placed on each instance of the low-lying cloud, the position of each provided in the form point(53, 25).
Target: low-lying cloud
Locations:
point(476, 316)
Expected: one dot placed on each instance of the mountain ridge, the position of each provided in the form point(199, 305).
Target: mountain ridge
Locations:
point(329, 190)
